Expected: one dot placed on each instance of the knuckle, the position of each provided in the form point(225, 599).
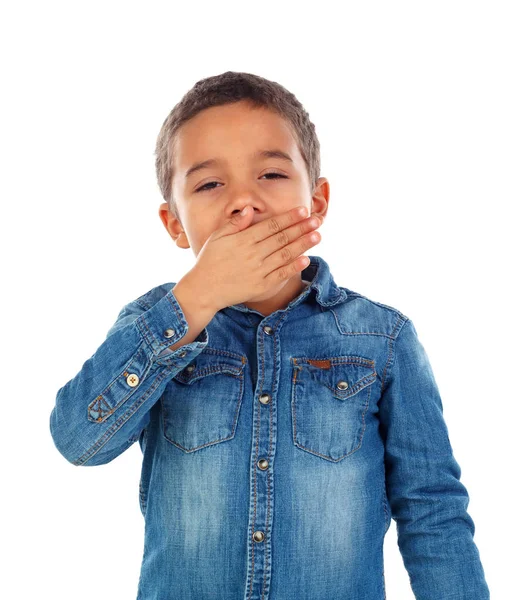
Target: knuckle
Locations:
point(282, 238)
point(282, 274)
point(286, 254)
point(303, 227)
point(273, 224)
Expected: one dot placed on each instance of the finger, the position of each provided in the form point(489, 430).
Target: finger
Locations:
point(288, 236)
point(287, 261)
point(276, 224)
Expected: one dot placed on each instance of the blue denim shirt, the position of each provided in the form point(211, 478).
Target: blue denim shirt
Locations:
point(276, 449)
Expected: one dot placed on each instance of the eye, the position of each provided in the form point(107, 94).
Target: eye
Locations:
point(278, 175)
point(203, 188)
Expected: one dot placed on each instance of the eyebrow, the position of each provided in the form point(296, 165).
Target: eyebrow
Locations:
point(261, 154)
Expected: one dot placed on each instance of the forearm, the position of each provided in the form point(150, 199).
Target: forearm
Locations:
point(427, 499)
point(101, 411)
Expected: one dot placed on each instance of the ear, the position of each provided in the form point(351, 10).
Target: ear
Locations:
point(321, 197)
point(173, 226)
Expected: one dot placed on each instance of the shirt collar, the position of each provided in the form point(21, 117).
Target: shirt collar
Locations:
point(321, 284)
point(328, 293)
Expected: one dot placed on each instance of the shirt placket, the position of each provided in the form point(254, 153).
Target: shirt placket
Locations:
point(264, 419)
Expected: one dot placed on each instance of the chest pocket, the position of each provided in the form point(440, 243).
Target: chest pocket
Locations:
point(330, 398)
point(201, 404)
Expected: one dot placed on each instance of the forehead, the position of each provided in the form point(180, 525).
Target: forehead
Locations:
point(232, 130)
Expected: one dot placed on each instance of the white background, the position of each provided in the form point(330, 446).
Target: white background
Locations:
point(419, 108)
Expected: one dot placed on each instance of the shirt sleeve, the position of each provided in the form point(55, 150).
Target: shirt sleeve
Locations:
point(102, 411)
point(427, 499)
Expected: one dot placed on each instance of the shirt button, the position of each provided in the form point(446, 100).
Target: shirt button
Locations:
point(132, 380)
point(258, 536)
point(169, 333)
point(182, 354)
point(190, 368)
point(264, 398)
point(262, 464)
point(268, 330)
point(342, 385)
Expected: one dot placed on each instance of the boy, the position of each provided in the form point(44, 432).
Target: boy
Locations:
point(283, 419)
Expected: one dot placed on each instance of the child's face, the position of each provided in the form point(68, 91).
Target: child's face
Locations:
point(234, 134)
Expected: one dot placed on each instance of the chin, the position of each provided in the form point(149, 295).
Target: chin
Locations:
point(270, 293)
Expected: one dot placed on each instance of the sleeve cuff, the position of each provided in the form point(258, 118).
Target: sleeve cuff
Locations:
point(164, 324)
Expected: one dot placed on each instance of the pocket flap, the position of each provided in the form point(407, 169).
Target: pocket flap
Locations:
point(211, 362)
point(344, 376)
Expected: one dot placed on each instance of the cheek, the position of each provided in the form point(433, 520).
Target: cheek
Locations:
point(200, 235)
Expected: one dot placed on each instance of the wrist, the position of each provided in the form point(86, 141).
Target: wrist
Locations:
point(190, 291)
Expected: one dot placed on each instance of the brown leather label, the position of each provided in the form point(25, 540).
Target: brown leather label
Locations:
point(322, 364)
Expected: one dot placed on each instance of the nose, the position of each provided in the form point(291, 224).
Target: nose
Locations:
point(257, 209)
point(259, 216)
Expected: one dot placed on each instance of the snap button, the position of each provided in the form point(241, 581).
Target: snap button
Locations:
point(190, 368)
point(182, 354)
point(342, 385)
point(132, 380)
point(264, 398)
point(268, 330)
point(169, 333)
point(258, 536)
point(263, 464)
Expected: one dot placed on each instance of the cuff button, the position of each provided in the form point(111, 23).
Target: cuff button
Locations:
point(132, 380)
point(169, 333)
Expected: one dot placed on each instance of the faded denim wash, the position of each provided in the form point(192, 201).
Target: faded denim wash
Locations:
point(276, 449)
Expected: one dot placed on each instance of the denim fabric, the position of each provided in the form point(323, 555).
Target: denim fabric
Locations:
point(277, 449)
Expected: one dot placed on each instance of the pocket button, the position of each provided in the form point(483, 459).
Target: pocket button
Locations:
point(342, 385)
